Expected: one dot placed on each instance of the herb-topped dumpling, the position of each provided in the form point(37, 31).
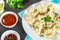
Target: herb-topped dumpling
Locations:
point(44, 20)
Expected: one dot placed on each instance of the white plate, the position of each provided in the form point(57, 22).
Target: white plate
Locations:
point(27, 27)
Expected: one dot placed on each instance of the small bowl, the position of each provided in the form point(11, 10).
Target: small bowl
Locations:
point(9, 12)
point(10, 32)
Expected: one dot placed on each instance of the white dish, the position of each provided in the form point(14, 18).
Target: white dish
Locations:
point(27, 27)
point(9, 12)
point(10, 32)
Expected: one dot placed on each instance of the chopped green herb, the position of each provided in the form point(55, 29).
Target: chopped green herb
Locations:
point(59, 16)
point(57, 27)
point(37, 27)
point(45, 27)
point(42, 18)
point(47, 18)
point(41, 35)
point(52, 21)
point(55, 13)
point(48, 9)
point(35, 10)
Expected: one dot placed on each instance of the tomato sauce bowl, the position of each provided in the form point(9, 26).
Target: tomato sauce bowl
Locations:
point(9, 19)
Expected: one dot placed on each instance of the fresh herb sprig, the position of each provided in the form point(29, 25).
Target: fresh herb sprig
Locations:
point(15, 3)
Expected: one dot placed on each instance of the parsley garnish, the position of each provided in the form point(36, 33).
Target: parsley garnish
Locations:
point(52, 21)
point(35, 10)
point(48, 9)
point(59, 16)
point(41, 35)
point(46, 18)
point(56, 14)
point(45, 27)
point(57, 26)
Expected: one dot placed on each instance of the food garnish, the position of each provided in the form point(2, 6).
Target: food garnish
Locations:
point(15, 3)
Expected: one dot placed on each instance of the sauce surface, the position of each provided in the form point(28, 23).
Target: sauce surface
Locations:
point(11, 37)
point(9, 20)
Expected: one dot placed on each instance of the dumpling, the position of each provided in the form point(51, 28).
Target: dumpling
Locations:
point(47, 32)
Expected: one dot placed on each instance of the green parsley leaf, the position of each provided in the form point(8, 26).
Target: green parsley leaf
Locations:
point(45, 27)
point(47, 18)
point(41, 35)
point(57, 27)
point(35, 10)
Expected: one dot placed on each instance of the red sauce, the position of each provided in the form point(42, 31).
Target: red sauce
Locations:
point(11, 37)
point(9, 20)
